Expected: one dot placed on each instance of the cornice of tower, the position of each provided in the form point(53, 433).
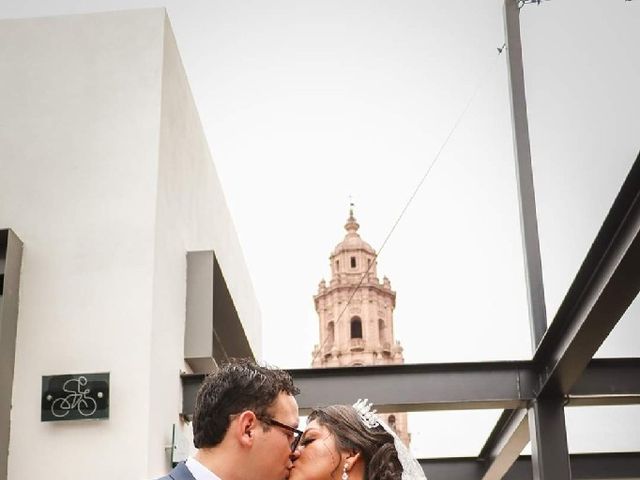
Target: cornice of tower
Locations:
point(378, 288)
point(390, 353)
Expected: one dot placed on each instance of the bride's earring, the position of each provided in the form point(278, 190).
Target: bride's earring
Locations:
point(345, 475)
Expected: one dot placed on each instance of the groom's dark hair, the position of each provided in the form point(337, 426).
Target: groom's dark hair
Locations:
point(238, 386)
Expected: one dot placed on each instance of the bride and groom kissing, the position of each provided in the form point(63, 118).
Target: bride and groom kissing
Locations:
point(245, 427)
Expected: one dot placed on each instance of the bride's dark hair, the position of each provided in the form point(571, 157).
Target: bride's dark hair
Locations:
point(374, 444)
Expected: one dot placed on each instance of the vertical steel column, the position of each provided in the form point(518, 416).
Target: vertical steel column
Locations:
point(549, 451)
point(524, 174)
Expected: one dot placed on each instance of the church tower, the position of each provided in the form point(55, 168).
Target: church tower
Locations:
point(363, 333)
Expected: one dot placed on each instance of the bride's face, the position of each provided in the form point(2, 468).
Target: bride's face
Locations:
point(319, 458)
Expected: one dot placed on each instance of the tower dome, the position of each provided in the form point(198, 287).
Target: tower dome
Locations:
point(352, 257)
point(352, 240)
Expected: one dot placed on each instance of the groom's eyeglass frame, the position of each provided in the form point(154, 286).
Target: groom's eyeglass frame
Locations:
point(297, 434)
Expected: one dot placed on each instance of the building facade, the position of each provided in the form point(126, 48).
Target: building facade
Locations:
point(355, 312)
point(118, 255)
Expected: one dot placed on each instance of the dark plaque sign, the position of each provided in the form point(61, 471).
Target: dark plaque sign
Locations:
point(75, 397)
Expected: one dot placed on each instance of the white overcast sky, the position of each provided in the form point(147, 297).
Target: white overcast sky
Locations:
point(306, 102)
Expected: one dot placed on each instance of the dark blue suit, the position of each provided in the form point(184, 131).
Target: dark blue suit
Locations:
point(181, 472)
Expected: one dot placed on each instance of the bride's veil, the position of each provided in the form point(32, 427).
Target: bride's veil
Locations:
point(411, 469)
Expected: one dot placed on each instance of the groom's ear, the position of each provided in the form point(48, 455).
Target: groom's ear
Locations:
point(244, 429)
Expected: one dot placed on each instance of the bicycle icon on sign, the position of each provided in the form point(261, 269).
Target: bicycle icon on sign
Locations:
point(78, 399)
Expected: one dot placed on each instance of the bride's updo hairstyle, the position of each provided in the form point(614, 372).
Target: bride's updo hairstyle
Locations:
point(374, 444)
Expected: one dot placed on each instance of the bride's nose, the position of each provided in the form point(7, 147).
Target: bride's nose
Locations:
point(296, 453)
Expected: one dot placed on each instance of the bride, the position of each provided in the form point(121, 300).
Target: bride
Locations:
point(344, 442)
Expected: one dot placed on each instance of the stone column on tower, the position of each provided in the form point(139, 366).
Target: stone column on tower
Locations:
point(355, 311)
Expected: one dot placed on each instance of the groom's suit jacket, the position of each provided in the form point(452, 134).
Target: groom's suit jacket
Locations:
point(181, 472)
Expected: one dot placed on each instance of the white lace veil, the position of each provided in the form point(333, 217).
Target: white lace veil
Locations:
point(411, 469)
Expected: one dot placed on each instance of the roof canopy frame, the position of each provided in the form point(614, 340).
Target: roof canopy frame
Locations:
point(562, 371)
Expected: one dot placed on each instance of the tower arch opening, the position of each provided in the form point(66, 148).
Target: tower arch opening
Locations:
point(356, 327)
point(382, 331)
point(331, 330)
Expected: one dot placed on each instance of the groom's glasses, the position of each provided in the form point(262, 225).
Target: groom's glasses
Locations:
point(297, 434)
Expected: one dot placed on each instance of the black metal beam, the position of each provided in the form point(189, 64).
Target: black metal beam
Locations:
point(407, 388)
point(467, 468)
point(604, 287)
point(610, 381)
point(419, 387)
point(456, 386)
point(524, 175)
point(605, 466)
point(607, 381)
point(507, 439)
point(548, 433)
point(595, 466)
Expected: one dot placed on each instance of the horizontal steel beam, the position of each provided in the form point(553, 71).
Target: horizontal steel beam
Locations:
point(607, 381)
point(462, 468)
point(419, 387)
point(455, 386)
point(597, 466)
point(408, 388)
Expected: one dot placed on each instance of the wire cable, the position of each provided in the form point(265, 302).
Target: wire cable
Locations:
point(453, 129)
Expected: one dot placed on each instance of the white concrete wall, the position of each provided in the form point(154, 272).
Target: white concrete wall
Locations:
point(191, 215)
point(106, 177)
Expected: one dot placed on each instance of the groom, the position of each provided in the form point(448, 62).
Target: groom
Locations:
point(245, 426)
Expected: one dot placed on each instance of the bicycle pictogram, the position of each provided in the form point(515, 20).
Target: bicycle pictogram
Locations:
point(77, 399)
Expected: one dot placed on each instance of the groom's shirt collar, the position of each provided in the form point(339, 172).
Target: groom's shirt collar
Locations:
point(199, 471)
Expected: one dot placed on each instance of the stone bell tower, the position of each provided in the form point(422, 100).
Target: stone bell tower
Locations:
point(361, 334)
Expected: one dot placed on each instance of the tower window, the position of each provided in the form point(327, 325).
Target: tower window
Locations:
point(392, 421)
point(337, 264)
point(356, 327)
point(353, 262)
point(330, 333)
point(381, 330)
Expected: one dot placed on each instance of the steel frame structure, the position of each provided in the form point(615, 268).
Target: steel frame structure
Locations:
point(561, 372)
point(532, 393)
